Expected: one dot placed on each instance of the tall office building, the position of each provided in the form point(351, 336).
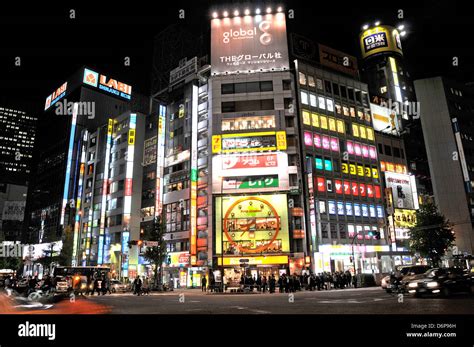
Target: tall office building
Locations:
point(84, 102)
point(398, 133)
point(17, 139)
point(446, 115)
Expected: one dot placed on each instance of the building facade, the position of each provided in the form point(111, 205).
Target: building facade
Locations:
point(446, 116)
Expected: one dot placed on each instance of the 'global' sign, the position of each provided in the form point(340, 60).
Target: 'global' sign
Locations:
point(107, 84)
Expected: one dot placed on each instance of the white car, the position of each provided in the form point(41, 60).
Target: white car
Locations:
point(117, 286)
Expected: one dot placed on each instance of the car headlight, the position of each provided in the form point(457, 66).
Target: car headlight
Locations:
point(432, 284)
point(413, 285)
point(83, 285)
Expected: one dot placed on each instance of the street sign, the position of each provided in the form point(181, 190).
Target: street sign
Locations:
point(151, 243)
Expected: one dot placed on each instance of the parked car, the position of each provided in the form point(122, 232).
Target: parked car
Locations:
point(117, 286)
point(62, 285)
point(404, 274)
point(442, 281)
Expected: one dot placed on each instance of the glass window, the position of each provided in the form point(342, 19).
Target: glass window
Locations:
point(319, 163)
point(312, 100)
point(327, 86)
point(227, 88)
point(355, 130)
point(343, 92)
point(332, 207)
point(388, 150)
point(328, 165)
point(302, 78)
point(266, 86)
point(340, 126)
point(370, 134)
point(311, 81)
point(248, 123)
point(323, 120)
point(335, 88)
point(322, 206)
point(319, 84)
point(338, 109)
point(306, 119)
point(321, 103)
point(332, 124)
point(304, 98)
point(315, 119)
point(330, 105)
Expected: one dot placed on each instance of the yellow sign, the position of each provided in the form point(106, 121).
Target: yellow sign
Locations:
point(404, 218)
point(345, 168)
point(216, 143)
point(281, 140)
point(306, 119)
point(110, 127)
point(375, 173)
point(360, 170)
point(131, 137)
point(367, 171)
point(382, 38)
point(352, 169)
point(268, 260)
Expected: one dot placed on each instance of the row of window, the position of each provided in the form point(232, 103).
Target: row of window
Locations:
point(323, 122)
point(391, 151)
point(361, 150)
point(348, 208)
point(333, 88)
point(247, 87)
point(248, 123)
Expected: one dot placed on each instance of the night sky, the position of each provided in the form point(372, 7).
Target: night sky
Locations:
point(52, 46)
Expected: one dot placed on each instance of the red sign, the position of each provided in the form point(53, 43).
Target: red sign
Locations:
point(370, 191)
point(298, 234)
point(347, 188)
point(249, 161)
point(338, 185)
point(377, 192)
point(321, 184)
point(362, 189)
point(355, 189)
point(111, 83)
point(128, 187)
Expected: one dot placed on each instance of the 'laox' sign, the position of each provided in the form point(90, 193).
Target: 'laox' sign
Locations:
point(109, 85)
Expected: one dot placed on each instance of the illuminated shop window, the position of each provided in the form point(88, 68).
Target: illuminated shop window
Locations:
point(355, 130)
point(332, 207)
point(315, 120)
point(312, 100)
point(323, 120)
point(319, 163)
point(311, 81)
point(349, 208)
point(345, 110)
point(330, 105)
point(327, 165)
point(319, 84)
point(370, 134)
point(340, 208)
point(304, 98)
point(340, 126)
point(322, 206)
point(306, 119)
point(302, 78)
point(332, 124)
point(338, 109)
point(248, 123)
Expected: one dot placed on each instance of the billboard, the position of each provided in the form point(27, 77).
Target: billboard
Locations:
point(338, 60)
point(14, 210)
point(380, 39)
point(404, 196)
point(404, 218)
point(249, 44)
point(150, 149)
point(253, 172)
point(249, 142)
point(55, 96)
point(252, 225)
point(384, 119)
point(107, 84)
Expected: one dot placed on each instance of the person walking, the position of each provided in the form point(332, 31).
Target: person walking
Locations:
point(204, 284)
point(137, 284)
point(280, 284)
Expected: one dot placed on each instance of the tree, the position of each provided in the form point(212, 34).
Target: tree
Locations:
point(432, 234)
point(65, 257)
point(157, 254)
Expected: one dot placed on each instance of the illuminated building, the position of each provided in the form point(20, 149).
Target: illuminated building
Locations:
point(108, 200)
point(344, 210)
point(177, 184)
point(390, 87)
point(446, 116)
point(399, 137)
point(17, 138)
point(258, 221)
point(84, 102)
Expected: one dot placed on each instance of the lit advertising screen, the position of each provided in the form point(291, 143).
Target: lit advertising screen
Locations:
point(252, 225)
point(249, 142)
point(384, 119)
point(382, 38)
point(249, 44)
point(403, 196)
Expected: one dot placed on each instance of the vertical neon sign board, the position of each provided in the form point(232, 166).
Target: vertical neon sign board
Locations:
point(159, 160)
point(105, 185)
point(194, 175)
point(78, 202)
point(127, 206)
point(69, 162)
